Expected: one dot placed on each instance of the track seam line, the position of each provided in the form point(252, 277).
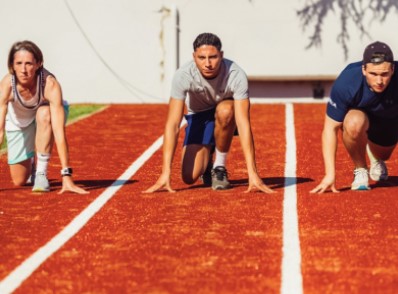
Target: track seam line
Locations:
point(292, 280)
point(26, 268)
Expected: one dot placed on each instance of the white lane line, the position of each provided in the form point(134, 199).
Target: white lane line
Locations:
point(292, 280)
point(288, 100)
point(25, 269)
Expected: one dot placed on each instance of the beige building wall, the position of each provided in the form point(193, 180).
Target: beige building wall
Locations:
point(126, 51)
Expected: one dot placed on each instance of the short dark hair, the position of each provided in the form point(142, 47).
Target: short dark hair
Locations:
point(28, 46)
point(207, 39)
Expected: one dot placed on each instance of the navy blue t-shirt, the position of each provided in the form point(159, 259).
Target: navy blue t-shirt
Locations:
point(350, 90)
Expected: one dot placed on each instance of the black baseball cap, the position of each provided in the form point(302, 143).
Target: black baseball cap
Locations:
point(377, 52)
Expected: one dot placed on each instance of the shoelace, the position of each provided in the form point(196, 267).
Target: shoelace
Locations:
point(378, 166)
point(361, 174)
point(220, 174)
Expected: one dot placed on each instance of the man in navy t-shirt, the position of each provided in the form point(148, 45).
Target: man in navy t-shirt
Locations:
point(364, 105)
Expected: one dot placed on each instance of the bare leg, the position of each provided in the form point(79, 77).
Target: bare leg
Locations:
point(225, 125)
point(44, 136)
point(20, 172)
point(194, 162)
point(355, 138)
point(196, 157)
point(381, 152)
point(44, 143)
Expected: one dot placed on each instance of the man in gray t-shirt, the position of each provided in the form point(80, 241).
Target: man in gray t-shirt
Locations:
point(215, 91)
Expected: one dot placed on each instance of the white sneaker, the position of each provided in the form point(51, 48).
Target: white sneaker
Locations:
point(31, 179)
point(361, 179)
point(378, 171)
point(41, 183)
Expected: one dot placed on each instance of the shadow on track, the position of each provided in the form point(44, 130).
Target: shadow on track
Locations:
point(95, 184)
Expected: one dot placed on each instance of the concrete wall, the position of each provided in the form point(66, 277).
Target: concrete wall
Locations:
point(125, 51)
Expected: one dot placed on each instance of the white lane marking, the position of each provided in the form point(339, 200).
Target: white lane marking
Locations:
point(26, 268)
point(292, 281)
point(288, 100)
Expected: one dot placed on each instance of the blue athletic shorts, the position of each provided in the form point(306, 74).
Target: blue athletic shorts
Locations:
point(200, 128)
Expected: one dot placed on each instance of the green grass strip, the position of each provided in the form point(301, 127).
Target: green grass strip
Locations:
point(76, 112)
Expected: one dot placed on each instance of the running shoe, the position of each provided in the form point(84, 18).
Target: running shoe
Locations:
point(41, 183)
point(361, 179)
point(206, 177)
point(378, 171)
point(219, 177)
point(31, 179)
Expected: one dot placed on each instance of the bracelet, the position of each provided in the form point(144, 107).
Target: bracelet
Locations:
point(66, 172)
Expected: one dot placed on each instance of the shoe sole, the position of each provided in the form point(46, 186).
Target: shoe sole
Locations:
point(378, 178)
point(40, 190)
point(219, 187)
point(206, 182)
point(360, 188)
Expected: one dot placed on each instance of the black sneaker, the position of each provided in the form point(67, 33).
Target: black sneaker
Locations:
point(206, 177)
point(219, 178)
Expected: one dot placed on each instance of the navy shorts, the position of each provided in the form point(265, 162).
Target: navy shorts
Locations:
point(200, 128)
point(383, 131)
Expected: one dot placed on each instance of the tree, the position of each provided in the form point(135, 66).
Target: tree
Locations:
point(314, 13)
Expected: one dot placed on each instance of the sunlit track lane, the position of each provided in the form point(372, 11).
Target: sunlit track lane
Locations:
point(101, 148)
point(193, 241)
point(348, 240)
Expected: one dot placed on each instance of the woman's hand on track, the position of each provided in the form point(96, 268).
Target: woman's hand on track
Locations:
point(69, 186)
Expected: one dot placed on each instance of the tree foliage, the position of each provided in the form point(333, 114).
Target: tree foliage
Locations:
point(314, 13)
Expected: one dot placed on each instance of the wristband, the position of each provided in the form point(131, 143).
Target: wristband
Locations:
point(66, 172)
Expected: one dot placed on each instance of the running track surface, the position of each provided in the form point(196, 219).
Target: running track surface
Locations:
point(198, 240)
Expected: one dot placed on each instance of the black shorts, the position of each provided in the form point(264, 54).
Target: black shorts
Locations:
point(383, 131)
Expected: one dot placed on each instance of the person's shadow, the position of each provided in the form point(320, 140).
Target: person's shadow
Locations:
point(276, 182)
point(273, 182)
point(391, 182)
point(94, 184)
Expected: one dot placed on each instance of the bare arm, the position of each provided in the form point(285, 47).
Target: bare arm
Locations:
point(171, 132)
point(242, 117)
point(329, 148)
point(53, 94)
point(5, 92)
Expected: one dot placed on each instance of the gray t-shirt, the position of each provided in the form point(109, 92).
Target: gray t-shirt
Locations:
point(202, 94)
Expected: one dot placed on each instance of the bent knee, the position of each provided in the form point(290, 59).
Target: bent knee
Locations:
point(225, 115)
point(43, 115)
point(355, 126)
point(19, 182)
point(355, 129)
point(188, 179)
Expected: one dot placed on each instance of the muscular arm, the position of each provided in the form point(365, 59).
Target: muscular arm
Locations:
point(53, 94)
point(171, 132)
point(5, 91)
point(242, 110)
point(242, 117)
point(329, 148)
point(329, 145)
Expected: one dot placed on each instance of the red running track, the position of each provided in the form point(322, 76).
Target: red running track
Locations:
point(198, 240)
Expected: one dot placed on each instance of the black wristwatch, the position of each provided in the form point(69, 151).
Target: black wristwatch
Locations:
point(66, 172)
